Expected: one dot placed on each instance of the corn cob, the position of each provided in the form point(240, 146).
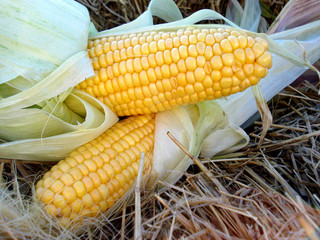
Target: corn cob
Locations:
point(148, 72)
point(99, 173)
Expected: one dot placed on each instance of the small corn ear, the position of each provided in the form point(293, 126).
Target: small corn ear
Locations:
point(96, 175)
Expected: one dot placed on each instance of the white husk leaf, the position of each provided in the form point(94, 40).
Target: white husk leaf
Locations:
point(196, 127)
point(68, 74)
point(248, 18)
point(296, 13)
point(251, 16)
point(28, 29)
point(234, 11)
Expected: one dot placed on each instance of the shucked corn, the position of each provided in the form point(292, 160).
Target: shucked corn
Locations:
point(99, 173)
point(141, 74)
point(148, 72)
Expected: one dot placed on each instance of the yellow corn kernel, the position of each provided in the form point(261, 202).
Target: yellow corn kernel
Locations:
point(258, 50)
point(262, 41)
point(265, 60)
point(227, 59)
point(191, 63)
point(226, 83)
point(226, 46)
point(240, 55)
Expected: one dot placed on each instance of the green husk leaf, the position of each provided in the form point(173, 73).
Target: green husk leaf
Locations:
point(19, 84)
point(179, 123)
point(67, 75)
point(56, 107)
point(51, 138)
point(6, 74)
point(43, 56)
point(236, 139)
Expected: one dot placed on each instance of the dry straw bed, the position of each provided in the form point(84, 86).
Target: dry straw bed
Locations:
point(260, 192)
point(256, 193)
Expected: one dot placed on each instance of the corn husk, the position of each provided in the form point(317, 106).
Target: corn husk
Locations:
point(201, 127)
point(28, 29)
point(42, 57)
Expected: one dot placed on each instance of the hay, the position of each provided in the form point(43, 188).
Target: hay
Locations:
point(107, 14)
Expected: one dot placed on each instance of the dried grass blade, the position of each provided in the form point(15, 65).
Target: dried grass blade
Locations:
point(264, 111)
point(123, 221)
point(185, 222)
point(299, 97)
point(172, 227)
point(137, 220)
point(293, 140)
point(284, 127)
point(279, 178)
point(211, 207)
point(199, 164)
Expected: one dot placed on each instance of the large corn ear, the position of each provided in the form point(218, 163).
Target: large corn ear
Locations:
point(143, 73)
